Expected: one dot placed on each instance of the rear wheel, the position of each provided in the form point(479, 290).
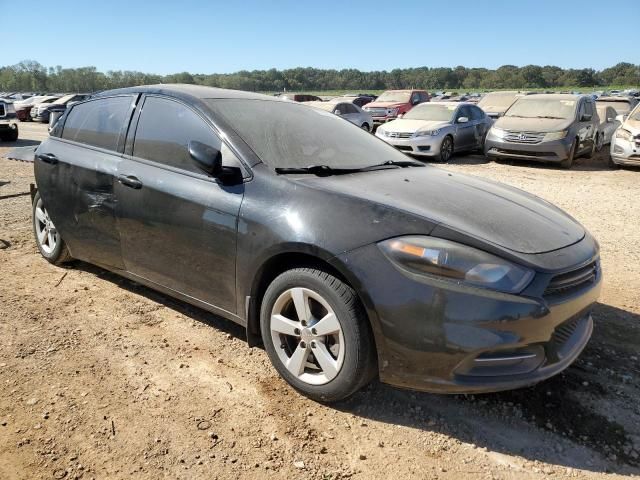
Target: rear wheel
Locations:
point(316, 334)
point(568, 162)
point(48, 239)
point(446, 149)
point(10, 136)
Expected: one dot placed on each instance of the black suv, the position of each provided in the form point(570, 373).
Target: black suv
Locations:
point(8, 121)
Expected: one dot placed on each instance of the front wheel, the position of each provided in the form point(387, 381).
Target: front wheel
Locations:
point(48, 239)
point(365, 126)
point(446, 149)
point(316, 334)
point(11, 135)
point(599, 142)
point(568, 162)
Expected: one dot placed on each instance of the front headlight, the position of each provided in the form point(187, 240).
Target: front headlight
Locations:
point(498, 132)
point(555, 135)
point(624, 134)
point(426, 133)
point(380, 132)
point(456, 262)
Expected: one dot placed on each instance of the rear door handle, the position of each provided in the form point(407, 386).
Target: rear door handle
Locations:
point(48, 158)
point(130, 181)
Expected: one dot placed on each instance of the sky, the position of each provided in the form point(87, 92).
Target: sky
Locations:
point(200, 36)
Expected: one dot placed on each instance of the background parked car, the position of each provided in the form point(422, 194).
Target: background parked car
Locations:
point(8, 124)
point(346, 110)
point(41, 112)
point(547, 127)
point(23, 108)
point(621, 104)
point(358, 99)
point(608, 125)
point(393, 103)
point(438, 129)
point(300, 97)
point(495, 104)
point(625, 144)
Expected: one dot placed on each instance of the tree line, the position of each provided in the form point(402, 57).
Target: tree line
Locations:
point(30, 75)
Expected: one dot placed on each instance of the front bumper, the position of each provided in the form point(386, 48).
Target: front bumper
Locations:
point(439, 336)
point(625, 152)
point(554, 151)
point(427, 146)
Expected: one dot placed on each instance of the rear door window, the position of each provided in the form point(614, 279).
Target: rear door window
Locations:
point(99, 123)
point(164, 131)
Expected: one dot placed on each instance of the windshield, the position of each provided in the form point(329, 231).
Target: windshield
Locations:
point(431, 112)
point(621, 107)
point(635, 114)
point(534, 106)
point(499, 101)
point(391, 96)
point(285, 134)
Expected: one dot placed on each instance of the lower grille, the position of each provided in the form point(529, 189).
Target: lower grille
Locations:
point(571, 281)
point(525, 153)
point(405, 148)
point(564, 332)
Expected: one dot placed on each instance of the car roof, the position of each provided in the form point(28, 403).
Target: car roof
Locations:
point(197, 91)
point(553, 96)
point(450, 104)
point(614, 98)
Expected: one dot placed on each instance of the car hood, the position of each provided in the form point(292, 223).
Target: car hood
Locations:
point(486, 211)
point(385, 104)
point(632, 125)
point(411, 126)
point(533, 124)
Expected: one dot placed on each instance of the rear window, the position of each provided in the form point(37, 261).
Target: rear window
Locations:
point(100, 123)
point(285, 134)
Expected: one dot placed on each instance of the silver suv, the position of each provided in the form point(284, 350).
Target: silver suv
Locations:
point(548, 127)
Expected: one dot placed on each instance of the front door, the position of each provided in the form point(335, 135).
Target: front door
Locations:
point(465, 132)
point(178, 225)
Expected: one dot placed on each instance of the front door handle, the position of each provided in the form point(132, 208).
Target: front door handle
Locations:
point(130, 181)
point(48, 158)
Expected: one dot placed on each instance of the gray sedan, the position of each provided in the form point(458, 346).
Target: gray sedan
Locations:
point(438, 129)
point(346, 110)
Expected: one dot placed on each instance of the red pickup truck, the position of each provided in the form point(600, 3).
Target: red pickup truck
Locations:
point(393, 103)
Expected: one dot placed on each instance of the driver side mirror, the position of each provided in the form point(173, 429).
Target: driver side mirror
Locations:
point(206, 157)
point(610, 119)
point(415, 101)
point(337, 112)
point(463, 119)
point(586, 117)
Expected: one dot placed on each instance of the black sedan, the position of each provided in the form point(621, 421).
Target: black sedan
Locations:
point(340, 254)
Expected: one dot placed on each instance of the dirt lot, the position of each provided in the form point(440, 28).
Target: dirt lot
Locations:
point(102, 378)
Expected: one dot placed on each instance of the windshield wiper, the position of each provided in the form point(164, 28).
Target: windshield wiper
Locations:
point(326, 170)
point(549, 116)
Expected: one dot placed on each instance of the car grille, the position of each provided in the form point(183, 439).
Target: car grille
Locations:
point(2, 110)
point(563, 333)
point(525, 153)
point(398, 134)
point(378, 112)
point(523, 137)
point(571, 281)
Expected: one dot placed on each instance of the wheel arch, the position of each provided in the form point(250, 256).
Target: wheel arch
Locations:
point(283, 261)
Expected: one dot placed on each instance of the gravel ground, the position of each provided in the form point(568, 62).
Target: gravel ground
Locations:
point(103, 378)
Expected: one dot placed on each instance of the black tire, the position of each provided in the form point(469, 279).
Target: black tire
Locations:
point(567, 163)
point(600, 142)
point(60, 253)
point(10, 136)
point(446, 149)
point(359, 366)
point(365, 126)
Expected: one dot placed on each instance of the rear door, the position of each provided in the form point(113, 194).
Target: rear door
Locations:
point(465, 132)
point(178, 225)
point(75, 173)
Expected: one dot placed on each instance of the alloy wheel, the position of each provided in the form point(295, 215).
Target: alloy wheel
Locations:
point(307, 336)
point(446, 150)
point(46, 233)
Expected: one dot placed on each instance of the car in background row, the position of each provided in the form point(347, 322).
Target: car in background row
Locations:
point(621, 104)
point(609, 123)
point(625, 145)
point(347, 110)
point(546, 127)
point(495, 104)
point(23, 108)
point(393, 103)
point(437, 130)
point(359, 99)
point(299, 97)
point(8, 123)
point(41, 111)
